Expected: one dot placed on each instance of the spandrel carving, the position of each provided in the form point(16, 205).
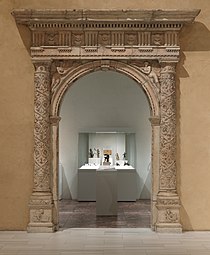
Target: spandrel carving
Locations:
point(59, 70)
point(153, 73)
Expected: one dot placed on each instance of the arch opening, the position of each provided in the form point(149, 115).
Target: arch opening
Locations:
point(105, 109)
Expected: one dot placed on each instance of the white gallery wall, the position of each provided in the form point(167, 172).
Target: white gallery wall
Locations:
point(104, 101)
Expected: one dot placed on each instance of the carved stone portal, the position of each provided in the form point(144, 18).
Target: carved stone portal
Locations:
point(67, 44)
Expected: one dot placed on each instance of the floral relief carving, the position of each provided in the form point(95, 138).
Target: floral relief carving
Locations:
point(171, 216)
point(41, 128)
point(168, 129)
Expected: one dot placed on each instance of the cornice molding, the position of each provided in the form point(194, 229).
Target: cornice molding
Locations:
point(23, 16)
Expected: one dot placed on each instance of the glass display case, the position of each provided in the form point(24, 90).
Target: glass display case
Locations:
point(104, 151)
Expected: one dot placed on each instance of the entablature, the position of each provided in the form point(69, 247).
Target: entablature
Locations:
point(105, 33)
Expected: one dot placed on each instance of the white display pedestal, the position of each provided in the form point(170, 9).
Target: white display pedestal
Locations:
point(106, 192)
point(87, 183)
point(127, 185)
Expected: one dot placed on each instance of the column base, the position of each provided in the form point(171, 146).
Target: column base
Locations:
point(41, 213)
point(168, 228)
point(168, 214)
point(41, 228)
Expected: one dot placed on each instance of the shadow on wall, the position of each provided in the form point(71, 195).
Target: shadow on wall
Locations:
point(193, 37)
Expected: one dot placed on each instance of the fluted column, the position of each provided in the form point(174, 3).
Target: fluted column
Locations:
point(41, 203)
point(168, 204)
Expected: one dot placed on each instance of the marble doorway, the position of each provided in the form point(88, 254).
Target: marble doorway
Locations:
point(142, 44)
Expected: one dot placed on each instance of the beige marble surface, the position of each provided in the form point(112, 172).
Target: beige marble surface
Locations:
point(104, 241)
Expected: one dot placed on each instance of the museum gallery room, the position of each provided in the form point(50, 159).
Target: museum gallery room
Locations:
point(105, 127)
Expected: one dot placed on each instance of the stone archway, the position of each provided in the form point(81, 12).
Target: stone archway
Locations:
point(67, 44)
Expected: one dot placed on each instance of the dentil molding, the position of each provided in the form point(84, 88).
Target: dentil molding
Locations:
point(116, 34)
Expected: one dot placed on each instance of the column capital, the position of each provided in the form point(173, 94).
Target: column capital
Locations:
point(54, 120)
point(168, 67)
point(155, 120)
point(42, 65)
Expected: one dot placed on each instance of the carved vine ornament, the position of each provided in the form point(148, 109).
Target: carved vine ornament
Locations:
point(66, 44)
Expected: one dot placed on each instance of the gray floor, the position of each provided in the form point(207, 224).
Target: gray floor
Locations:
point(74, 214)
point(105, 241)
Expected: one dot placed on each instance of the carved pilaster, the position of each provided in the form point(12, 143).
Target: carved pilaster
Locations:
point(42, 127)
point(41, 203)
point(168, 200)
point(54, 120)
point(155, 123)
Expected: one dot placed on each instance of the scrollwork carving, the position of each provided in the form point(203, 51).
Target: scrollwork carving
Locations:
point(168, 128)
point(61, 70)
point(41, 127)
point(168, 202)
point(40, 215)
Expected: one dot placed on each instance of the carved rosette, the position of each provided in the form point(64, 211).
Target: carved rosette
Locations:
point(42, 127)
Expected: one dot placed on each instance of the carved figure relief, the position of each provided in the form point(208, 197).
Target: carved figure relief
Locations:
point(77, 39)
point(157, 39)
point(51, 39)
point(104, 39)
point(148, 70)
point(131, 39)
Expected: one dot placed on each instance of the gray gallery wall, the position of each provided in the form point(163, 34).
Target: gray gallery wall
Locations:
point(104, 101)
